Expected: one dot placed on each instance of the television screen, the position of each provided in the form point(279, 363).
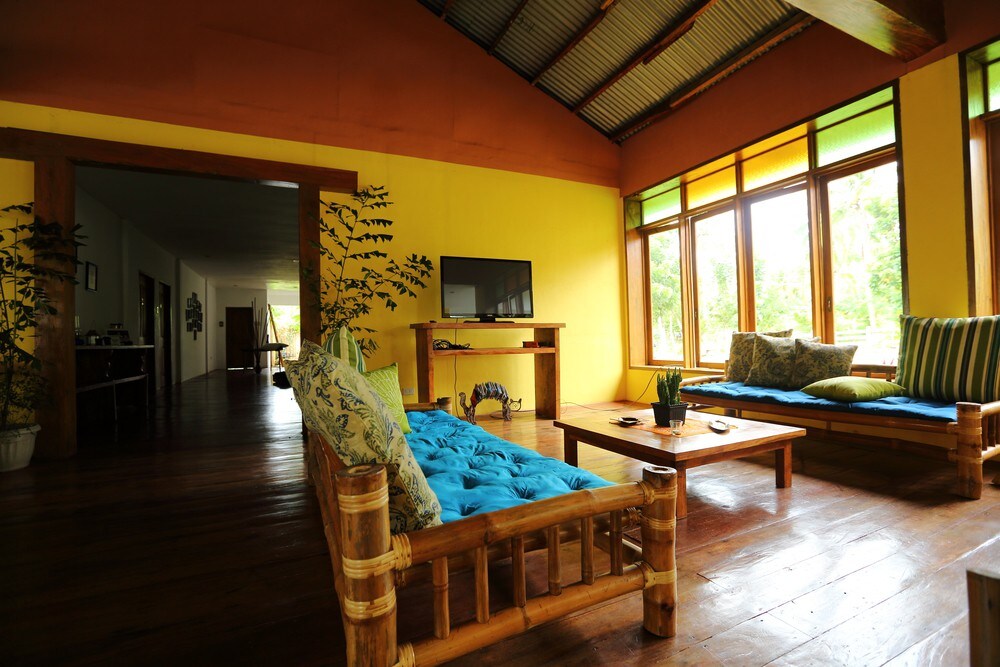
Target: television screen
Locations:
point(485, 288)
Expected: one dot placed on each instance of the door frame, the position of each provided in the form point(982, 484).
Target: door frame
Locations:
point(56, 155)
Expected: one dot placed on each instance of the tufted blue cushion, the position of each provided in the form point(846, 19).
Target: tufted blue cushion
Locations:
point(893, 406)
point(472, 471)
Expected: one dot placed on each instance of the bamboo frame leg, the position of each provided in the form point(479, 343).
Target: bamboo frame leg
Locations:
point(369, 601)
point(970, 450)
point(587, 550)
point(984, 618)
point(482, 586)
point(659, 527)
point(517, 565)
point(555, 565)
point(783, 466)
point(570, 454)
point(615, 536)
point(442, 616)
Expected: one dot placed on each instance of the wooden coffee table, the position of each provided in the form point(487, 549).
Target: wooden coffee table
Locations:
point(696, 446)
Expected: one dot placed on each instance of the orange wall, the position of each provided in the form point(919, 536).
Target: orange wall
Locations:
point(385, 76)
point(818, 69)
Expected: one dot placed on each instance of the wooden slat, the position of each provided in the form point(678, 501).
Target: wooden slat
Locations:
point(555, 564)
point(442, 615)
point(905, 29)
point(615, 534)
point(517, 570)
point(506, 28)
point(594, 21)
point(482, 586)
point(587, 550)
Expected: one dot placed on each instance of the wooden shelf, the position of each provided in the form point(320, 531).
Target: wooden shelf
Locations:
point(473, 351)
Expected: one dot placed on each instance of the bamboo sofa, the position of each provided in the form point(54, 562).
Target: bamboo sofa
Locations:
point(370, 564)
point(974, 427)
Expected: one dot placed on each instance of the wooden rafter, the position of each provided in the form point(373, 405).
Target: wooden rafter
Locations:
point(793, 25)
point(595, 20)
point(506, 28)
point(659, 44)
point(444, 10)
point(905, 29)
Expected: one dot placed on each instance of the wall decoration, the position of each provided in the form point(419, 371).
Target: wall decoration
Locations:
point(193, 315)
point(90, 280)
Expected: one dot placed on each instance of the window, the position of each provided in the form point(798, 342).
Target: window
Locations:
point(800, 230)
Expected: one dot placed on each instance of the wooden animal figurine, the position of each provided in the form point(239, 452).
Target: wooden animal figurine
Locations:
point(485, 390)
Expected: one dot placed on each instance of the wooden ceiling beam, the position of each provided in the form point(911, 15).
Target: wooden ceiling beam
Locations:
point(905, 29)
point(506, 28)
point(790, 27)
point(444, 10)
point(595, 20)
point(659, 44)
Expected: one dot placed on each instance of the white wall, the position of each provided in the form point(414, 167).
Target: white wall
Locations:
point(192, 350)
point(212, 330)
point(232, 297)
point(283, 297)
point(103, 247)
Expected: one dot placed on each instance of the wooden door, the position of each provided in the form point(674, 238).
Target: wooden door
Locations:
point(239, 337)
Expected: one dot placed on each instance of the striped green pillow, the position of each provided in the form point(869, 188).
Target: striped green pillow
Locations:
point(342, 345)
point(950, 359)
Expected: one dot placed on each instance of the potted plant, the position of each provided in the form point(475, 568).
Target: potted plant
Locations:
point(669, 406)
point(29, 252)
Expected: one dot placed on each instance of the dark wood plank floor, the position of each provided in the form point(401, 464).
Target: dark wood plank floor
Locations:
point(193, 540)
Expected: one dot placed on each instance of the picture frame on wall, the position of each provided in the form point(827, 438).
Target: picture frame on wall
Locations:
point(90, 277)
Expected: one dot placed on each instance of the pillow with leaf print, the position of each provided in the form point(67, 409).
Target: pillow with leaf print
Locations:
point(741, 352)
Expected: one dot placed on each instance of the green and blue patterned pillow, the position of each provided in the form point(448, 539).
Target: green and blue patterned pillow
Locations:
point(385, 382)
point(342, 344)
point(950, 359)
point(819, 361)
point(773, 360)
point(339, 404)
point(741, 352)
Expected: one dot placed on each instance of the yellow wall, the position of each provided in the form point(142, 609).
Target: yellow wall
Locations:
point(933, 179)
point(17, 182)
point(570, 231)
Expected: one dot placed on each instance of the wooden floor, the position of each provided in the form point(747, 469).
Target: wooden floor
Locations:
point(193, 540)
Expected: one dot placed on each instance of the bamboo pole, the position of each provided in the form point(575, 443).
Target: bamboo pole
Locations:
point(616, 543)
point(555, 564)
point(482, 586)
point(659, 524)
point(984, 618)
point(517, 567)
point(442, 615)
point(970, 450)
point(587, 550)
point(369, 602)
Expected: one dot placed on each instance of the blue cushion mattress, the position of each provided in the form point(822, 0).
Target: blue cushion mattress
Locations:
point(893, 406)
point(473, 471)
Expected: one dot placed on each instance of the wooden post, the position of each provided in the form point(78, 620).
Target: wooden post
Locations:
point(659, 524)
point(555, 565)
point(369, 601)
point(615, 535)
point(442, 615)
point(309, 263)
point(587, 550)
point(482, 585)
point(517, 567)
point(970, 450)
point(984, 618)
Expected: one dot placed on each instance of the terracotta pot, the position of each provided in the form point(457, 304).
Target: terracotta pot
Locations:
point(16, 447)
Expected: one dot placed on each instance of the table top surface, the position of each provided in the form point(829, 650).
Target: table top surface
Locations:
point(698, 441)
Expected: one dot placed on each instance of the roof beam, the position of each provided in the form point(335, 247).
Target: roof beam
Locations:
point(790, 27)
point(444, 10)
point(660, 43)
point(595, 20)
point(510, 22)
point(905, 29)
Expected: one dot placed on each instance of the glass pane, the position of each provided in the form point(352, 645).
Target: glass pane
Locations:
point(781, 263)
point(854, 108)
point(765, 145)
point(856, 136)
point(661, 206)
point(771, 167)
point(712, 188)
point(993, 86)
point(867, 275)
point(665, 295)
point(715, 262)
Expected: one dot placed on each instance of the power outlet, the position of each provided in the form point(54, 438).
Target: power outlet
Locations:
point(408, 391)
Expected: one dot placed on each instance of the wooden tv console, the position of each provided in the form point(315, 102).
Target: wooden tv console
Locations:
point(546, 359)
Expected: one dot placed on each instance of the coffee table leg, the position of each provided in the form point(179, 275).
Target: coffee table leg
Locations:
point(783, 466)
point(569, 449)
point(682, 498)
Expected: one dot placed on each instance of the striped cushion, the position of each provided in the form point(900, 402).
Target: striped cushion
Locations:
point(950, 359)
point(342, 345)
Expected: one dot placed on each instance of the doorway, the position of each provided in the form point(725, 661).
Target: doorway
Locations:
point(164, 339)
point(147, 324)
point(239, 337)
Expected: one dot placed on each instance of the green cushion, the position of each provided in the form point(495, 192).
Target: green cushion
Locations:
point(341, 406)
point(741, 352)
point(950, 359)
point(385, 382)
point(773, 358)
point(341, 344)
point(818, 361)
point(853, 389)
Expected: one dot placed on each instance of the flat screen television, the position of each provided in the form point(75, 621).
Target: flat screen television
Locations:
point(486, 288)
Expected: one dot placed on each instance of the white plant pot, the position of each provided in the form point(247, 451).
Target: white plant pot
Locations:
point(16, 447)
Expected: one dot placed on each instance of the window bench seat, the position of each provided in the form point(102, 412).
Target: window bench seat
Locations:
point(973, 427)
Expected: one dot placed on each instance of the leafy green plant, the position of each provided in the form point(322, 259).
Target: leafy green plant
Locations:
point(361, 274)
point(668, 386)
point(29, 251)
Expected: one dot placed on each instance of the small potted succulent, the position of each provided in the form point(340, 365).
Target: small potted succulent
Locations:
point(669, 407)
point(29, 249)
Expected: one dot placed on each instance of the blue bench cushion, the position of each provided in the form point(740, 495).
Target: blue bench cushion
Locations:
point(892, 406)
point(472, 471)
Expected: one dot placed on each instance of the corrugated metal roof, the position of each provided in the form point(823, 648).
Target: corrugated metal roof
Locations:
point(544, 27)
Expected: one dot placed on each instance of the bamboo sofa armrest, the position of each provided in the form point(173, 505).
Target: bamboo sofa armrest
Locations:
point(439, 404)
point(703, 379)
